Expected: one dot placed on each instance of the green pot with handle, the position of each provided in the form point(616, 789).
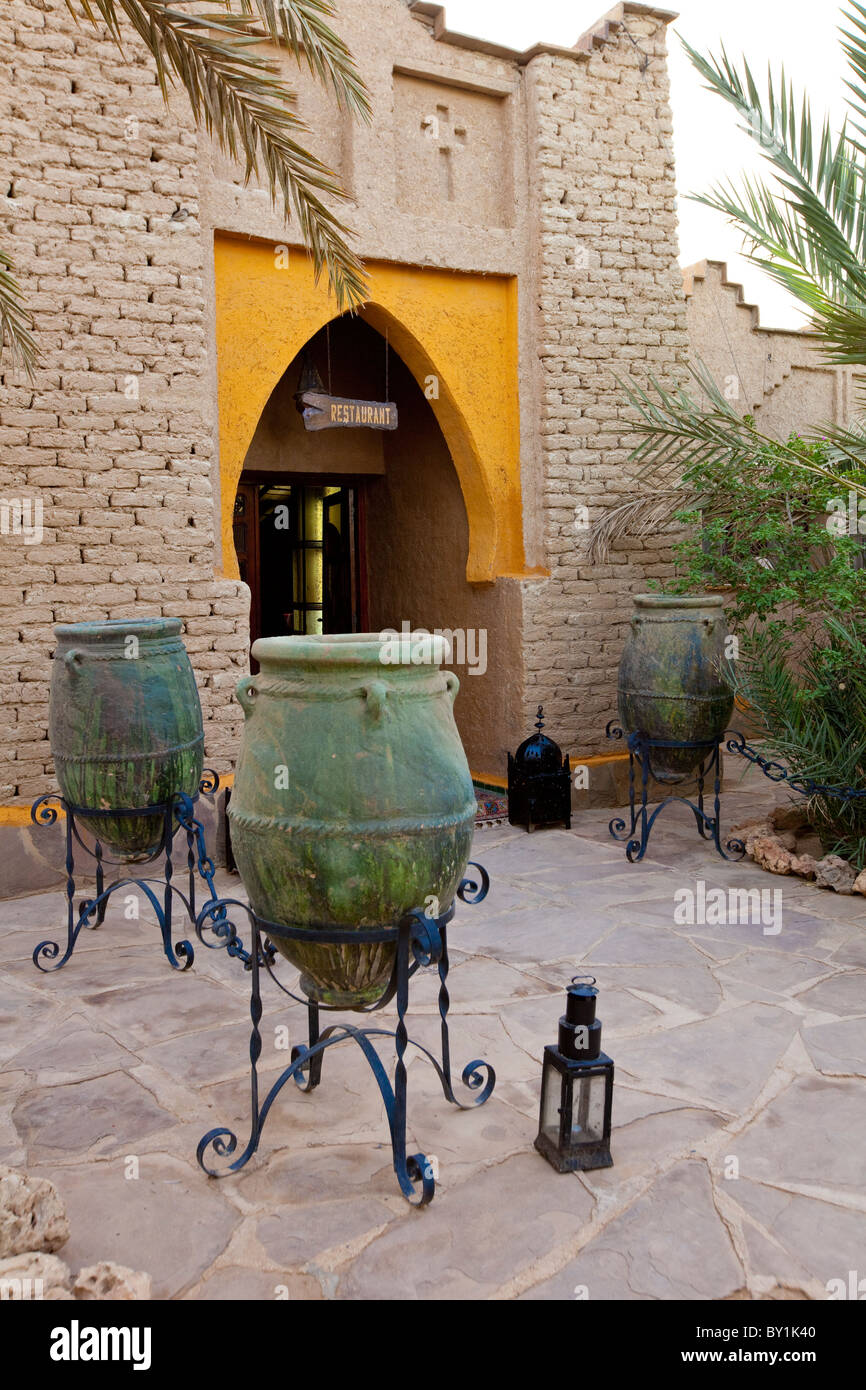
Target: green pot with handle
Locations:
point(352, 801)
point(125, 725)
point(671, 684)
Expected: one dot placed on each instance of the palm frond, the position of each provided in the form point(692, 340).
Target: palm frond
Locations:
point(854, 48)
point(15, 319)
point(644, 515)
point(302, 26)
point(676, 436)
point(808, 231)
point(676, 433)
point(240, 99)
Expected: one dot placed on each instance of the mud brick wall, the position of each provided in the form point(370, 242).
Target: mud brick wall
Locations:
point(610, 304)
point(109, 203)
point(115, 435)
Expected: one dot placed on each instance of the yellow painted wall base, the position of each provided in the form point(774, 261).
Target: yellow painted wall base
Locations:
point(20, 815)
point(17, 815)
point(491, 779)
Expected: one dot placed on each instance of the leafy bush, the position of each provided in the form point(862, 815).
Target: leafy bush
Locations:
point(814, 720)
point(760, 529)
point(798, 605)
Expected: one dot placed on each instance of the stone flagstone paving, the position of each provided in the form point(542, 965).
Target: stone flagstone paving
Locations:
point(739, 1114)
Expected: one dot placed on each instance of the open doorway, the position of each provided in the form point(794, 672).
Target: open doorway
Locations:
point(365, 530)
point(299, 545)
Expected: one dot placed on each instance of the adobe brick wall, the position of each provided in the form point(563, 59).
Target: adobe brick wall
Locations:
point(93, 167)
point(778, 375)
point(610, 302)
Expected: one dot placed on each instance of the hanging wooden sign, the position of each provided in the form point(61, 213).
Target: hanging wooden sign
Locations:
point(323, 412)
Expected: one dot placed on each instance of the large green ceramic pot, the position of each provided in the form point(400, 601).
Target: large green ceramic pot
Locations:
point(125, 724)
point(670, 682)
point(352, 801)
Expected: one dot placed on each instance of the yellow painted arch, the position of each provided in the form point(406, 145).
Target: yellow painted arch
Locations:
point(460, 329)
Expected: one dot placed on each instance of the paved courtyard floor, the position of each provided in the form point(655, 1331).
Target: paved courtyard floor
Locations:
point(739, 1109)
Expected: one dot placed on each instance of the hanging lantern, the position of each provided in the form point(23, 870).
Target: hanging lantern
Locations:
point(576, 1088)
point(539, 782)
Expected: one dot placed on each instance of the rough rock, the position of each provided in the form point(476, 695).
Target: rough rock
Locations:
point(836, 873)
point(750, 830)
point(791, 816)
point(111, 1282)
point(810, 844)
point(41, 1276)
point(770, 853)
point(776, 853)
point(804, 865)
point(859, 884)
point(32, 1215)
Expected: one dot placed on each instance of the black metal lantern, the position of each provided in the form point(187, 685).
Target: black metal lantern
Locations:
point(576, 1088)
point(539, 782)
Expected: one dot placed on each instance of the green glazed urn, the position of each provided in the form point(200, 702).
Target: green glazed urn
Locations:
point(352, 802)
point(125, 724)
point(670, 682)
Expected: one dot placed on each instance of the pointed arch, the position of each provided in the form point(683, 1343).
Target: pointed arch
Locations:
point(457, 334)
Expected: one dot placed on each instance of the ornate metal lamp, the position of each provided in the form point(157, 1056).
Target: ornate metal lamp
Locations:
point(576, 1088)
point(539, 782)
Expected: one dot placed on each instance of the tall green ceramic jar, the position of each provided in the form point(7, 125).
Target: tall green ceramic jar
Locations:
point(125, 723)
point(352, 801)
point(670, 681)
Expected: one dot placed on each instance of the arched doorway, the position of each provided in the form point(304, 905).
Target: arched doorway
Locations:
point(367, 530)
point(299, 519)
point(455, 329)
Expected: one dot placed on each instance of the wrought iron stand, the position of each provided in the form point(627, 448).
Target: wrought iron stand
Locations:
point(178, 814)
point(640, 750)
point(420, 942)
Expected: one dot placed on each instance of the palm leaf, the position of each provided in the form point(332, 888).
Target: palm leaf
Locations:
point(809, 231)
point(676, 436)
point(15, 319)
point(645, 515)
point(301, 25)
point(240, 99)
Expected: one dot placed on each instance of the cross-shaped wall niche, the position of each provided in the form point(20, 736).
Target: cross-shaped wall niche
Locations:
point(448, 136)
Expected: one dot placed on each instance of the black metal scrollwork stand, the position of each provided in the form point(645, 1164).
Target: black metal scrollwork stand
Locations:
point(637, 833)
point(420, 942)
point(175, 815)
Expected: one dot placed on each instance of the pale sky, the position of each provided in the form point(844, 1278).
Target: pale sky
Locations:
point(802, 34)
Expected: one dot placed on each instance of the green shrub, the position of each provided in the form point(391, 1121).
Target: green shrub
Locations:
point(761, 531)
point(814, 720)
point(798, 607)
